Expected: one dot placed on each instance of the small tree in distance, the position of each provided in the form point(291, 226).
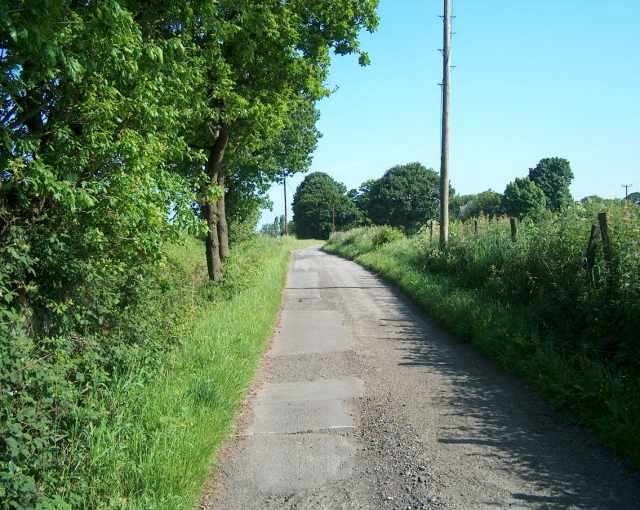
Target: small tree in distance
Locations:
point(634, 198)
point(406, 196)
point(487, 203)
point(554, 176)
point(523, 197)
point(319, 203)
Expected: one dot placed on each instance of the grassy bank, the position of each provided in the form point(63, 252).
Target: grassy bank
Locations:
point(131, 416)
point(524, 305)
point(156, 450)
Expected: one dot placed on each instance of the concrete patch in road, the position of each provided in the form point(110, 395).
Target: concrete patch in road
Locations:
point(329, 389)
point(301, 300)
point(284, 464)
point(303, 280)
point(311, 332)
point(297, 417)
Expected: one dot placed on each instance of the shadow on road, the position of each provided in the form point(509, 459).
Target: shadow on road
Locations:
point(495, 416)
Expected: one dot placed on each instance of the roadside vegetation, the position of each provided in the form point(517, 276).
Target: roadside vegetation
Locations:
point(547, 286)
point(126, 126)
point(147, 404)
point(154, 444)
point(544, 305)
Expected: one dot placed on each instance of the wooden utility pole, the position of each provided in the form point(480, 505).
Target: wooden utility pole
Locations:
point(333, 218)
point(444, 157)
point(626, 190)
point(604, 233)
point(286, 221)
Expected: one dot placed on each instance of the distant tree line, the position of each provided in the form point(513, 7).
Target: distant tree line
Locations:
point(407, 197)
point(546, 187)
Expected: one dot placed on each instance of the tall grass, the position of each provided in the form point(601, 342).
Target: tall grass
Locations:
point(155, 448)
point(532, 306)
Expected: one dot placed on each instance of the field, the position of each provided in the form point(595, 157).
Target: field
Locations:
point(563, 316)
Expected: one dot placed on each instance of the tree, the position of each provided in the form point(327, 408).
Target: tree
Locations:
point(92, 124)
point(487, 203)
point(319, 204)
point(634, 197)
point(406, 196)
point(554, 176)
point(523, 197)
point(459, 204)
point(258, 78)
point(273, 229)
point(360, 198)
point(591, 198)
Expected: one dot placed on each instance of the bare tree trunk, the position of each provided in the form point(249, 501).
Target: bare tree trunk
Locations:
point(214, 263)
point(211, 211)
point(286, 218)
point(223, 228)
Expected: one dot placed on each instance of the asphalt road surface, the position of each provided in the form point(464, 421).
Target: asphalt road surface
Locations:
point(363, 403)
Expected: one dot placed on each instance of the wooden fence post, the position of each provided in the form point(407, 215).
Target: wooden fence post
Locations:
point(514, 229)
point(431, 231)
point(590, 254)
point(604, 233)
point(475, 227)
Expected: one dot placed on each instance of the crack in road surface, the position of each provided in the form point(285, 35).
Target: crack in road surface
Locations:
point(362, 403)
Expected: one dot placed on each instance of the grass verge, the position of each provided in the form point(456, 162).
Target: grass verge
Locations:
point(155, 450)
point(598, 395)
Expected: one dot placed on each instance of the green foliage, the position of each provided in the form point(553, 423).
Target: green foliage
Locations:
point(634, 197)
point(85, 192)
point(457, 203)
point(361, 198)
point(109, 112)
point(242, 228)
point(386, 234)
point(488, 203)
point(544, 271)
point(523, 197)
point(553, 176)
point(317, 203)
point(85, 421)
point(406, 196)
point(56, 386)
point(533, 307)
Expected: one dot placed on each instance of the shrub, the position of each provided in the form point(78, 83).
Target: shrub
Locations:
point(545, 271)
point(385, 234)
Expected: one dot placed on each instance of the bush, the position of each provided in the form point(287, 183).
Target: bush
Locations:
point(386, 234)
point(364, 239)
point(545, 271)
point(52, 387)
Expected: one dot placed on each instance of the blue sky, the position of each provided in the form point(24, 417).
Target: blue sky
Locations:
point(532, 80)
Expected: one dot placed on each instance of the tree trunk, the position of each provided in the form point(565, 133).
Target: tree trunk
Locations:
point(211, 211)
point(223, 228)
point(214, 263)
